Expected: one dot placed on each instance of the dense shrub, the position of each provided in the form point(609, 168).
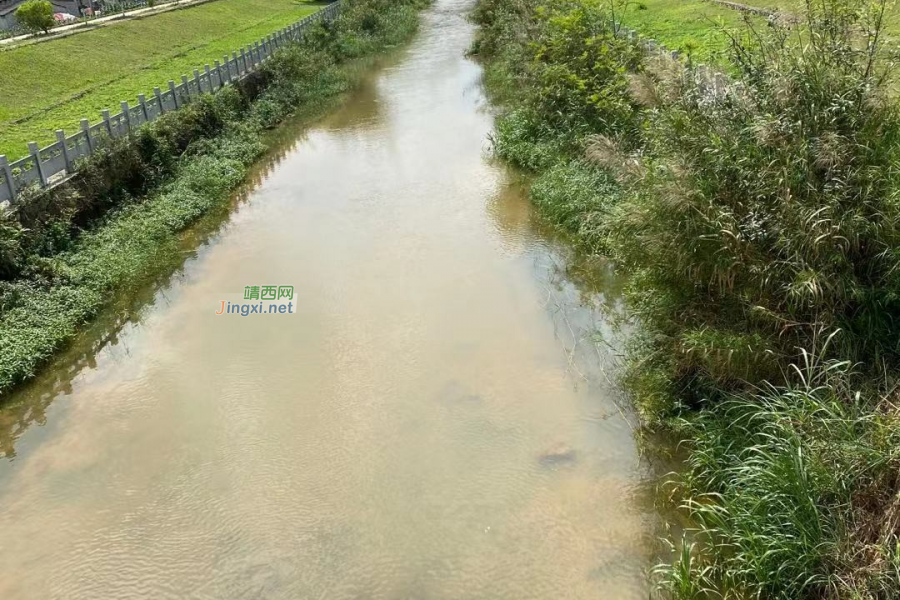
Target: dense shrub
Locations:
point(570, 69)
point(580, 69)
point(35, 15)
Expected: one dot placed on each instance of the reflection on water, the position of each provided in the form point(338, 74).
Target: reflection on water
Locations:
point(435, 421)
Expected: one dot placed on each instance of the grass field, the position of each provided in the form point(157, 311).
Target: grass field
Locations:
point(52, 85)
point(679, 24)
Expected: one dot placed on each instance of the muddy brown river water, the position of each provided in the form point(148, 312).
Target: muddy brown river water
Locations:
point(433, 421)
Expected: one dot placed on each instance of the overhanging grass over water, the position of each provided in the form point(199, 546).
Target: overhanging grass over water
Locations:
point(63, 254)
point(759, 225)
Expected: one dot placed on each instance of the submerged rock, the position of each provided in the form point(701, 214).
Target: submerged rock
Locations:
point(558, 455)
point(455, 393)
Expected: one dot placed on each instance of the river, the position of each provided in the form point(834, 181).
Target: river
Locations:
point(433, 420)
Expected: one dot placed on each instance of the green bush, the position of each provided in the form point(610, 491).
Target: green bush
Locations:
point(36, 15)
point(580, 69)
point(565, 69)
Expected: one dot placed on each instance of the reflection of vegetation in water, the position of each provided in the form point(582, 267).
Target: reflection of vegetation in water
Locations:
point(755, 219)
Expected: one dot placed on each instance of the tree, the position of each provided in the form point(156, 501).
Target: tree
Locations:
point(36, 15)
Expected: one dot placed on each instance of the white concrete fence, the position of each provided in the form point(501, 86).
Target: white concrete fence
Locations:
point(44, 167)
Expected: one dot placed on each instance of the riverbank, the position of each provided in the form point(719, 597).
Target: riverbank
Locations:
point(67, 252)
point(757, 226)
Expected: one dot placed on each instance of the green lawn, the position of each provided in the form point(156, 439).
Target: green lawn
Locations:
point(52, 85)
point(676, 23)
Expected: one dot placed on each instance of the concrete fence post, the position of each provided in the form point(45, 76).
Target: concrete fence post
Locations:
point(126, 111)
point(227, 70)
point(8, 178)
point(107, 122)
point(263, 49)
point(35, 151)
point(157, 93)
point(244, 61)
point(142, 100)
point(197, 81)
point(61, 140)
point(208, 77)
point(217, 67)
point(258, 52)
point(86, 128)
point(172, 91)
point(186, 86)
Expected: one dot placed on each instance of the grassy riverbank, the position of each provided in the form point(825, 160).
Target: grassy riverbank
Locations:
point(63, 254)
point(760, 228)
point(54, 84)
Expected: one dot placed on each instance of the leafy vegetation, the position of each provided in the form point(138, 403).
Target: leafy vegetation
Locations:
point(63, 253)
point(56, 83)
point(35, 15)
point(758, 220)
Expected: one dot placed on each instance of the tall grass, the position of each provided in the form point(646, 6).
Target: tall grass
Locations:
point(63, 253)
point(767, 213)
point(793, 490)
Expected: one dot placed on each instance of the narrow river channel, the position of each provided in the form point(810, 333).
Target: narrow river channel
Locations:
point(431, 423)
